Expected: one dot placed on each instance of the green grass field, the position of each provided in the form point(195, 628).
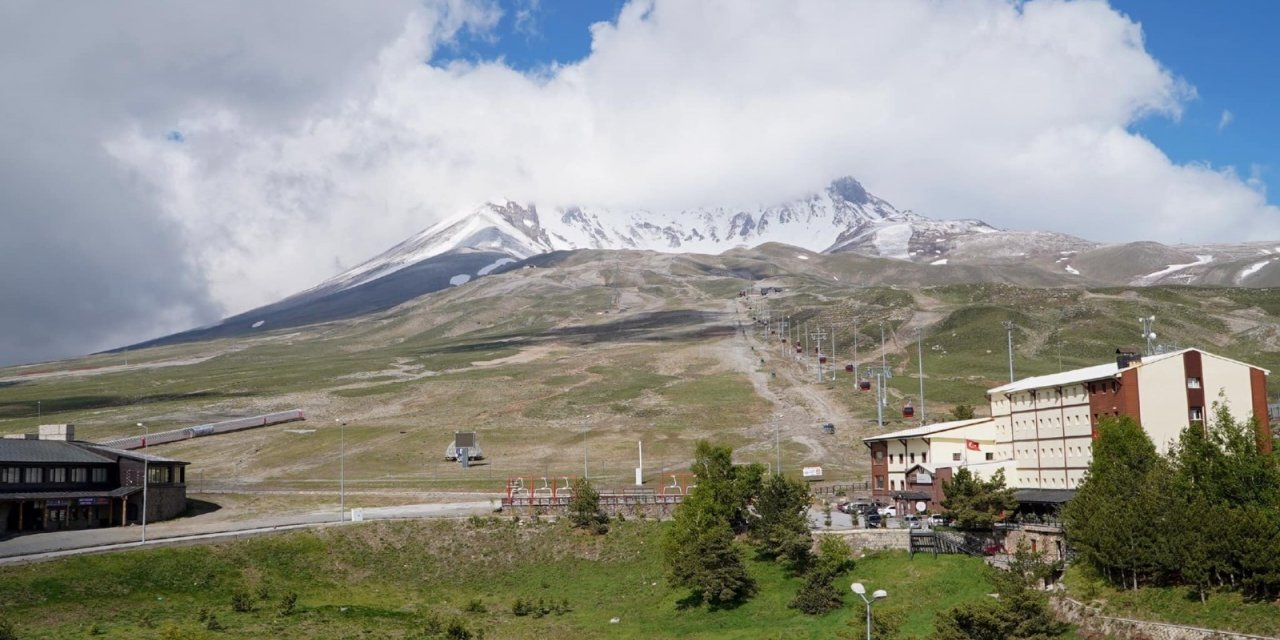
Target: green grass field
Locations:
point(385, 580)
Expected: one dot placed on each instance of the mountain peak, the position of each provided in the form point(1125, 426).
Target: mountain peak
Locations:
point(849, 190)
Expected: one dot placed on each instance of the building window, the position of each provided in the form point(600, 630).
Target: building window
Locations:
point(990, 456)
point(879, 456)
point(158, 475)
point(99, 475)
point(80, 475)
point(10, 475)
point(57, 475)
point(1193, 383)
point(913, 458)
point(33, 475)
point(924, 457)
point(880, 482)
point(955, 457)
point(1196, 414)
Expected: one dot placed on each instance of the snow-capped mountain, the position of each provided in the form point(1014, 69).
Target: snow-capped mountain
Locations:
point(842, 217)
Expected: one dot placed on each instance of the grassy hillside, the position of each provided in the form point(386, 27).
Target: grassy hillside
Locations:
point(386, 580)
point(646, 348)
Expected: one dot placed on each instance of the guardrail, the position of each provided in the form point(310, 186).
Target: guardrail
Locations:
point(201, 430)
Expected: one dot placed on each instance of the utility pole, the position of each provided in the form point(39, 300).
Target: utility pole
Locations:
point(777, 441)
point(855, 351)
point(1008, 327)
point(806, 337)
point(920, 358)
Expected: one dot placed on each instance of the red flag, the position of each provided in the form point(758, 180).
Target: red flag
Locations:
point(971, 445)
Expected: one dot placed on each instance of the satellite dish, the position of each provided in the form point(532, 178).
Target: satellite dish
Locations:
point(921, 506)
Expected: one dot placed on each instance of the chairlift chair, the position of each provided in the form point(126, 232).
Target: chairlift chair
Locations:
point(908, 411)
point(865, 385)
point(848, 368)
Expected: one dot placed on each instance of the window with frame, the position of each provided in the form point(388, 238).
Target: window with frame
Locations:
point(11, 475)
point(913, 458)
point(955, 457)
point(1196, 414)
point(924, 457)
point(79, 474)
point(57, 475)
point(158, 475)
point(99, 475)
point(1193, 383)
point(991, 456)
point(33, 475)
point(879, 455)
point(879, 482)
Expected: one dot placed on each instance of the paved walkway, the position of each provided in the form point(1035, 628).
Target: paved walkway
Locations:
point(46, 546)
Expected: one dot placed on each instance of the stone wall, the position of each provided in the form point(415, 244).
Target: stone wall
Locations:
point(1093, 624)
point(873, 539)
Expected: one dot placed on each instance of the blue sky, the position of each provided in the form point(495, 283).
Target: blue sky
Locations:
point(1227, 51)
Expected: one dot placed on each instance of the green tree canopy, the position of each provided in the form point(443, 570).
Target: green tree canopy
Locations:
point(974, 503)
point(781, 528)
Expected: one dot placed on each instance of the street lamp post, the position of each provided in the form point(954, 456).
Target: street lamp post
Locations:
point(145, 474)
point(862, 593)
point(1008, 327)
point(585, 475)
point(342, 470)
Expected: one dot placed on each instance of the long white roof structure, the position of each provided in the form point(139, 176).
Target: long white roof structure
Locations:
point(926, 430)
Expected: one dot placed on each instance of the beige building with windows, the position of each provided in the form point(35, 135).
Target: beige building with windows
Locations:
point(1041, 429)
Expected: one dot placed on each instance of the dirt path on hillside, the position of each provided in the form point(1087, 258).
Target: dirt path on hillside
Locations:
point(799, 409)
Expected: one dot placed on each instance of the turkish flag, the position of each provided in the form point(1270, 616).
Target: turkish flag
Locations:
point(971, 445)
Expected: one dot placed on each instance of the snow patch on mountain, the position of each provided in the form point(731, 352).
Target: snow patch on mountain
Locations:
point(460, 279)
point(1251, 269)
point(1154, 277)
point(498, 263)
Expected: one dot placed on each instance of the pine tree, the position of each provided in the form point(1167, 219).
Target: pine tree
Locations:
point(584, 508)
point(974, 503)
point(781, 529)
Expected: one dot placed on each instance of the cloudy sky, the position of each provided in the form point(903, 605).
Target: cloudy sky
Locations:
point(163, 165)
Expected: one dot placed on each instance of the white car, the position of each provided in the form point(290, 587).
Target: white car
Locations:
point(936, 520)
point(892, 512)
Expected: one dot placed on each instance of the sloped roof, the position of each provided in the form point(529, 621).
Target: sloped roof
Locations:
point(1099, 372)
point(47, 451)
point(926, 430)
point(134, 455)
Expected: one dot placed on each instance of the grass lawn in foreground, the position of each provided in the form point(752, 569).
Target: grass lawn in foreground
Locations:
point(386, 580)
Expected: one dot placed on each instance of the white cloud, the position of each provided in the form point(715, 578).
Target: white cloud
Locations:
point(1016, 113)
point(1225, 119)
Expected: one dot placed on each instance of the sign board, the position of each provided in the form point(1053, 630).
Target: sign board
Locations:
point(464, 439)
point(811, 473)
point(85, 501)
point(924, 478)
point(357, 515)
point(55, 503)
point(921, 506)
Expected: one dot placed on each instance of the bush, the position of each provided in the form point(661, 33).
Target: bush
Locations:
point(288, 602)
point(819, 594)
point(212, 624)
point(6, 630)
point(263, 592)
point(475, 606)
point(241, 601)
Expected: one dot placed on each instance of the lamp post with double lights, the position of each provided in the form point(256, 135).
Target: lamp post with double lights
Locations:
point(862, 593)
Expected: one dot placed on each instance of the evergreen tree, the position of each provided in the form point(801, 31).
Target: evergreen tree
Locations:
point(1020, 612)
point(781, 528)
point(700, 550)
point(974, 503)
point(584, 508)
point(819, 594)
point(1118, 519)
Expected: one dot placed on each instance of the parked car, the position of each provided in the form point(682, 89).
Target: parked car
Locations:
point(873, 519)
point(913, 522)
point(892, 512)
point(992, 549)
point(937, 520)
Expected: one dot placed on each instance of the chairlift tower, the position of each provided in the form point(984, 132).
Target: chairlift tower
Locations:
point(818, 336)
point(881, 374)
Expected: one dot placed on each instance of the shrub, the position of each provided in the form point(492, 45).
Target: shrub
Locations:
point(475, 606)
point(7, 631)
point(212, 624)
point(288, 602)
point(241, 601)
point(263, 592)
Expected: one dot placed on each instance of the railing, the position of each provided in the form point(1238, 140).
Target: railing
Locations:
point(845, 488)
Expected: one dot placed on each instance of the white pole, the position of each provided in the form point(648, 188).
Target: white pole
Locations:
point(145, 470)
point(920, 357)
point(342, 470)
point(640, 469)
